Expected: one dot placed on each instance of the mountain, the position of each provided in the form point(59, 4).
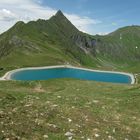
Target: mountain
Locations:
point(58, 41)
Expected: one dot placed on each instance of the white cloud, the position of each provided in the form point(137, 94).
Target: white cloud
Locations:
point(82, 20)
point(12, 11)
point(6, 15)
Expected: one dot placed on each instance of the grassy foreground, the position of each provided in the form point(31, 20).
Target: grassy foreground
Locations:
point(64, 109)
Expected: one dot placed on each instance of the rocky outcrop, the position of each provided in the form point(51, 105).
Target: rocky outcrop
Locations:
point(86, 43)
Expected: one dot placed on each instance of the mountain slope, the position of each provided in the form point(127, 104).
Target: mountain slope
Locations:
point(122, 47)
point(50, 40)
point(123, 43)
point(58, 41)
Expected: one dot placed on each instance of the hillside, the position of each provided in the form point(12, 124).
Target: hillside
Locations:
point(87, 109)
point(57, 41)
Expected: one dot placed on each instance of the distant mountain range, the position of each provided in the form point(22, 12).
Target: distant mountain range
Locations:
point(58, 41)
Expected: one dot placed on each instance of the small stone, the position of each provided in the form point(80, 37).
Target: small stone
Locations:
point(59, 97)
point(77, 125)
point(134, 118)
point(48, 102)
point(95, 101)
point(17, 137)
point(52, 125)
point(86, 119)
point(69, 120)
point(71, 130)
point(70, 138)
point(27, 105)
point(14, 110)
point(69, 134)
point(41, 114)
point(54, 105)
point(114, 130)
point(45, 136)
point(97, 135)
point(107, 132)
point(110, 137)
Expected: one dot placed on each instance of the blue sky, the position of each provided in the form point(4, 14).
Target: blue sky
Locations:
point(112, 13)
point(91, 16)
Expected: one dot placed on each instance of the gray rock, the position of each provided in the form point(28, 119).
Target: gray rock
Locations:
point(69, 134)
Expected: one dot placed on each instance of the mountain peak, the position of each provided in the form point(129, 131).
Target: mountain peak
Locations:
point(59, 13)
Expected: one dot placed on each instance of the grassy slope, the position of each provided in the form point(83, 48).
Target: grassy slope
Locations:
point(30, 110)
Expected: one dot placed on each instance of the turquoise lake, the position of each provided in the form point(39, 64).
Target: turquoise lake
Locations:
point(45, 74)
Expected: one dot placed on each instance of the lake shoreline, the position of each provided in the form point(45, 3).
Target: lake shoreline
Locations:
point(7, 76)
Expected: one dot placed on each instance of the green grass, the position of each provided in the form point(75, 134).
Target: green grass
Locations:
point(31, 110)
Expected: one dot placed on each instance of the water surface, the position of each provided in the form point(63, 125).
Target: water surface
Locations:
point(45, 74)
